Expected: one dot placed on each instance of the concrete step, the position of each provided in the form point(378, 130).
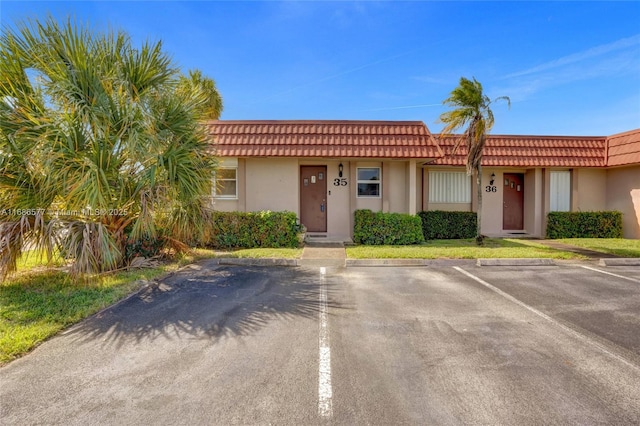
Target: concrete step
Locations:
point(319, 239)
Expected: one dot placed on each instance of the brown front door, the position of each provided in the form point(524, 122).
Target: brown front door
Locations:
point(513, 202)
point(313, 198)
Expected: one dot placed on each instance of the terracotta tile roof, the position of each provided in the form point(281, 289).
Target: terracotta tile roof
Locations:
point(322, 138)
point(531, 151)
point(412, 139)
point(623, 148)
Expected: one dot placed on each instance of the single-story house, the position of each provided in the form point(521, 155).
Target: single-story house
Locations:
point(324, 170)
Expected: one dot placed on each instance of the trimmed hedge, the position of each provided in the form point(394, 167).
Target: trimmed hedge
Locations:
point(264, 229)
point(443, 225)
point(584, 224)
point(386, 228)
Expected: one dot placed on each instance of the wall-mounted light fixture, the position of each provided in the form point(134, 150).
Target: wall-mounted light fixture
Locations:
point(340, 169)
point(493, 178)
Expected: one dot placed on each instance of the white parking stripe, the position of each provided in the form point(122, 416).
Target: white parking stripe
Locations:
point(610, 273)
point(541, 314)
point(325, 391)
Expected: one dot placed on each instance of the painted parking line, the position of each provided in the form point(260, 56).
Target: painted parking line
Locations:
point(610, 273)
point(541, 314)
point(325, 391)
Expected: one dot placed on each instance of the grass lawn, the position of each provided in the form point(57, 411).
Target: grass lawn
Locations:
point(618, 246)
point(36, 303)
point(284, 253)
point(461, 249)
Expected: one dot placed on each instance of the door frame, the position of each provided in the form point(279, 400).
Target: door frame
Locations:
point(325, 200)
point(520, 201)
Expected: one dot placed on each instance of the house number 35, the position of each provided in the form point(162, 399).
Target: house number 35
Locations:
point(340, 182)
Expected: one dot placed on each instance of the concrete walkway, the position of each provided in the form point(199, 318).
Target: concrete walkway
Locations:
point(323, 254)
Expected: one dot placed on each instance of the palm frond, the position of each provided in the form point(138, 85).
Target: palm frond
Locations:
point(188, 222)
point(91, 124)
point(25, 235)
point(143, 262)
point(91, 247)
point(11, 246)
point(471, 110)
point(202, 91)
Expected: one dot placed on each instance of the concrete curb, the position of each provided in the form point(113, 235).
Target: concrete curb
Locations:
point(248, 261)
point(516, 262)
point(620, 261)
point(409, 262)
point(235, 261)
point(329, 262)
point(386, 262)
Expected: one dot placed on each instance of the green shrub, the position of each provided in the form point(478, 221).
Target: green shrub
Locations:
point(443, 225)
point(144, 247)
point(386, 228)
point(584, 224)
point(264, 229)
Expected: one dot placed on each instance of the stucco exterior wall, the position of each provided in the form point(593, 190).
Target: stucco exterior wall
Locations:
point(339, 213)
point(272, 184)
point(623, 194)
point(546, 198)
point(588, 190)
point(491, 201)
point(424, 196)
point(395, 181)
point(534, 202)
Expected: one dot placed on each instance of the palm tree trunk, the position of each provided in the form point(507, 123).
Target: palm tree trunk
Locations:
point(479, 238)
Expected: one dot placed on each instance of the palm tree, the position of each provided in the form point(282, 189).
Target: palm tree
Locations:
point(197, 85)
point(471, 110)
point(101, 143)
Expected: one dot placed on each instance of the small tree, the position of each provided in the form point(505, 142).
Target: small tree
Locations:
point(471, 109)
point(101, 143)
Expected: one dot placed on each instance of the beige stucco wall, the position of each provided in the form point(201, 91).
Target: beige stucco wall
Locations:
point(395, 187)
point(419, 190)
point(588, 190)
point(491, 201)
point(272, 184)
point(534, 202)
point(546, 199)
point(623, 194)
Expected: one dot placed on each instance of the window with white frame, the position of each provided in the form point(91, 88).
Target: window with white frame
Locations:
point(369, 182)
point(226, 183)
point(449, 187)
point(560, 191)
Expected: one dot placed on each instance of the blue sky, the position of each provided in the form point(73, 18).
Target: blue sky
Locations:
point(570, 68)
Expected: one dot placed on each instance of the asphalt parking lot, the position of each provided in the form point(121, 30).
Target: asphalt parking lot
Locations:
point(451, 343)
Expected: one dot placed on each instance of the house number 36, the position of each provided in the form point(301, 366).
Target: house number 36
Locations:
point(491, 188)
point(340, 182)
